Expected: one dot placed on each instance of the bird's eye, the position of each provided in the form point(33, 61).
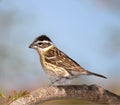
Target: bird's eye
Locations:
point(39, 43)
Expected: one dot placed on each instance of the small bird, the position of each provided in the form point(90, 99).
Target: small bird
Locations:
point(56, 63)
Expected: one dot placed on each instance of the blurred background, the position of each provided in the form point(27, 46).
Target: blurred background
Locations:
point(87, 30)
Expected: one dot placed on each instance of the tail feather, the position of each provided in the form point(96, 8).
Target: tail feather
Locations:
point(91, 73)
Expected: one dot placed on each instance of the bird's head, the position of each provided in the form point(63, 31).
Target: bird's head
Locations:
point(41, 43)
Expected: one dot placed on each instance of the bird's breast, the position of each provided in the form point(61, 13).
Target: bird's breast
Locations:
point(52, 69)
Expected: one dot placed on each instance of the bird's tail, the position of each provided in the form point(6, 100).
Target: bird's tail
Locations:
point(91, 73)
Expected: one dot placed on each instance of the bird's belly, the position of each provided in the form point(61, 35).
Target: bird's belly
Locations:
point(54, 70)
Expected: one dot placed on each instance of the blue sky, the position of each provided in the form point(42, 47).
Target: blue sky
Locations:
point(80, 28)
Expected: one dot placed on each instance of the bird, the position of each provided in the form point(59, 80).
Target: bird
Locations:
point(56, 63)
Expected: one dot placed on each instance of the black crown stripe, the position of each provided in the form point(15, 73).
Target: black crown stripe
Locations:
point(42, 38)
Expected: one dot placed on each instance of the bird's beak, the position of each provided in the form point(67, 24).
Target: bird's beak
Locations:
point(31, 45)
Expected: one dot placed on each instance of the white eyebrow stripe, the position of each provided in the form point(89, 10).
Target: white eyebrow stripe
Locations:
point(44, 41)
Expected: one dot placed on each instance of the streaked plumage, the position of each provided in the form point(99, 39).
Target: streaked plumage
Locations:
point(55, 62)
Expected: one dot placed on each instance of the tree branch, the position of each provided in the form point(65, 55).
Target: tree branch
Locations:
point(90, 93)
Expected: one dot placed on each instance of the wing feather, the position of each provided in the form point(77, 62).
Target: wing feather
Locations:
point(56, 57)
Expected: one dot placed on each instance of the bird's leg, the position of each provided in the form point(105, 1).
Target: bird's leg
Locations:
point(54, 80)
point(60, 80)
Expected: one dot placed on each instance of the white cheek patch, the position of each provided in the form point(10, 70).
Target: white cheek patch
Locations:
point(35, 47)
point(40, 49)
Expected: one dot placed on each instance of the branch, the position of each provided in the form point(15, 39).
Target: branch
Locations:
point(90, 93)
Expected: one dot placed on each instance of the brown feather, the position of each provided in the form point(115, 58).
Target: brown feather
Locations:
point(58, 58)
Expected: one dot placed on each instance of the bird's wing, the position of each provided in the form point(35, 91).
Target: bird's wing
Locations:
point(56, 57)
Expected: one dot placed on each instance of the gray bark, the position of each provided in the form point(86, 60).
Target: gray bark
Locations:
point(92, 93)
